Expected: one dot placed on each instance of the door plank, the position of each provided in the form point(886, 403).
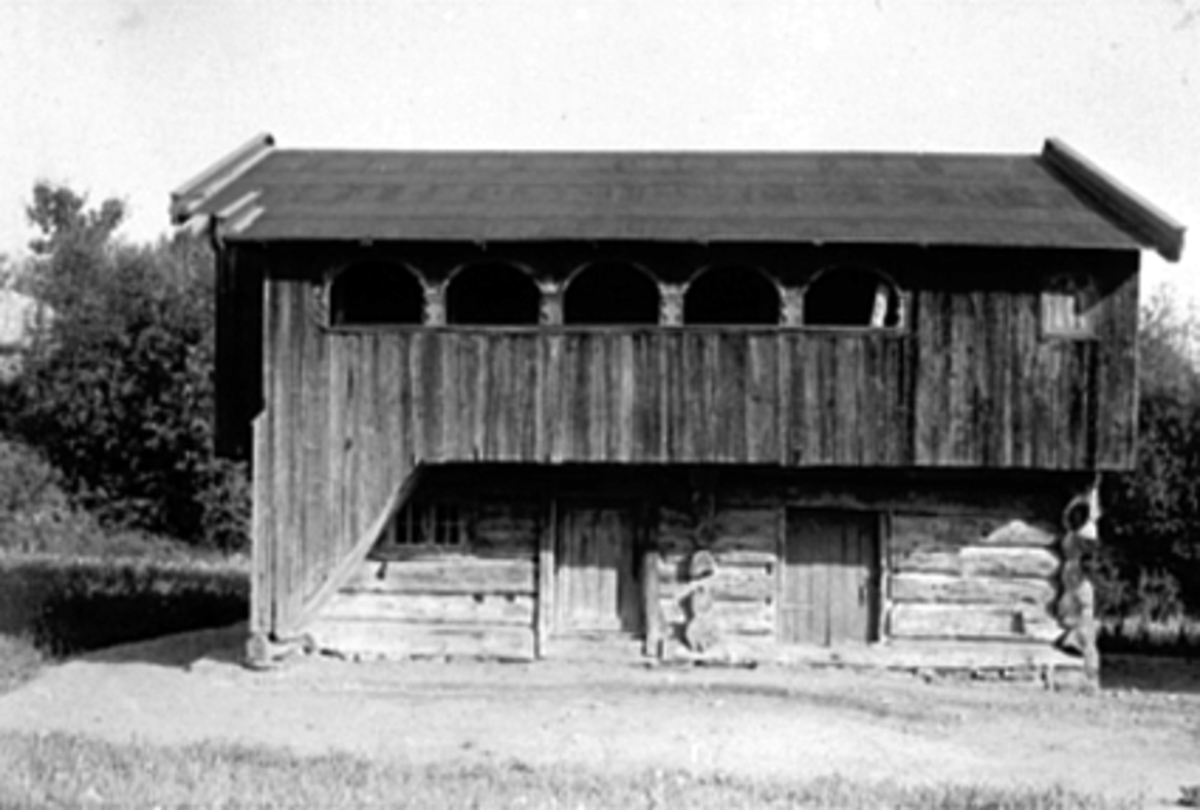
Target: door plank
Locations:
point(596, 574)
point(829, 577)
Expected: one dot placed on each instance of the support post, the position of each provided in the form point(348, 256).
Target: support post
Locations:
point(551, 308)
point(1077, 603)
point(545, 582)
point(671, 306)
point(435, 304)
point(653, 645)
point(792, 306)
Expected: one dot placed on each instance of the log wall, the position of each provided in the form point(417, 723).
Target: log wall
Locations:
point(416, 601)
point(962, 566)
point(972, 577)
point(744, 542)
point(946, 577)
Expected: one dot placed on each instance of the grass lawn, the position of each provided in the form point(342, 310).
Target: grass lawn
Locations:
point(63, 770)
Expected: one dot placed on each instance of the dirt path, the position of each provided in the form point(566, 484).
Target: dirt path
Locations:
point(767, 722)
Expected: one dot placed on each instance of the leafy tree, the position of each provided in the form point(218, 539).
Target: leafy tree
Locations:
point(59, 213)
point(1151, 562)
point(117, 391)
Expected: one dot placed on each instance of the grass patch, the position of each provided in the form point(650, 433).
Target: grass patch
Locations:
point(60, 769)
point(69, 605)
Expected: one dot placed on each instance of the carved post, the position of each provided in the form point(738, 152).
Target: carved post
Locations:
point(671, 308)
point(650, 608)
point(792, 306)
point(1077, 606)
point(318, 304)
point(648, 521)
point(551, 313)
point(544, 624)
point(701, 632)
point(435, 303)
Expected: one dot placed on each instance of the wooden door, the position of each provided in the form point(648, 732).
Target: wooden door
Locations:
point(830, 583)
point(596, 576)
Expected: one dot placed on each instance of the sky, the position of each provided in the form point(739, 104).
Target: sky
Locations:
point(131, 98)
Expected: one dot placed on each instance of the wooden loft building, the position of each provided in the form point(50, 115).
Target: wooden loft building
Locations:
point(756, 406)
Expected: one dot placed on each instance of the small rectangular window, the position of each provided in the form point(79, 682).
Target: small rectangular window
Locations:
point(436, 524)
point(1069, 307)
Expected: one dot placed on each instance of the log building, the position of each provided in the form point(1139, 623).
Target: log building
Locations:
point(752, 406)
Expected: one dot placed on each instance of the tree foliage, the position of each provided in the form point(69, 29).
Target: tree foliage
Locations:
point(117, 390)
point(61, 215)
point(1152, 515)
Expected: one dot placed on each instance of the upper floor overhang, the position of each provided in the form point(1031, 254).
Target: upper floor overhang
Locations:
point(1056, 199)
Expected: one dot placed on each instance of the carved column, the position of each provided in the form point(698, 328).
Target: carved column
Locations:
point(318, 303)
point(551, 313)
point(1077, 606)
point(792, 306)
point(701, 632)
point(671, 306)
point(435, 304)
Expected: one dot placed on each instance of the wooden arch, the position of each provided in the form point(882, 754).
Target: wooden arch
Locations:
point(373, 292)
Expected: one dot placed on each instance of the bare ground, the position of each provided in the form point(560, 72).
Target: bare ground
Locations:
point(769, 722)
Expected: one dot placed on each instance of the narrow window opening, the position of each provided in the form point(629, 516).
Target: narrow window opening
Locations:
point(375, 293)
point(732, 296)
point(848, 296)
point(433, 525)
point(492, 295)
point(611, 294)
point(1069, 306)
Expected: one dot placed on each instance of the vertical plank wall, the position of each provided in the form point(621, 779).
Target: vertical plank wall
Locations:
point(992, 391)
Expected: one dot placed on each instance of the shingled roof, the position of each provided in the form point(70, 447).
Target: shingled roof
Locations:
point(1056, 199)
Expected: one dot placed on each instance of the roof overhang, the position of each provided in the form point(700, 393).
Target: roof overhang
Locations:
point(1057, 199)
point(1132, 211)
point(188, 200)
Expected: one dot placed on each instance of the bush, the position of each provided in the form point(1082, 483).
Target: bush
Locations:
point(1135, 634)
point(35, 513)
point(1151, 525)
point(20, 661)
point(117, 390)
point(66, 606)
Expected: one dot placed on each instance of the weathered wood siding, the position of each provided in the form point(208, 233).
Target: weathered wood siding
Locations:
point(349, 414)
point(332, 446)
point(971, 385)
point(992, 391)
